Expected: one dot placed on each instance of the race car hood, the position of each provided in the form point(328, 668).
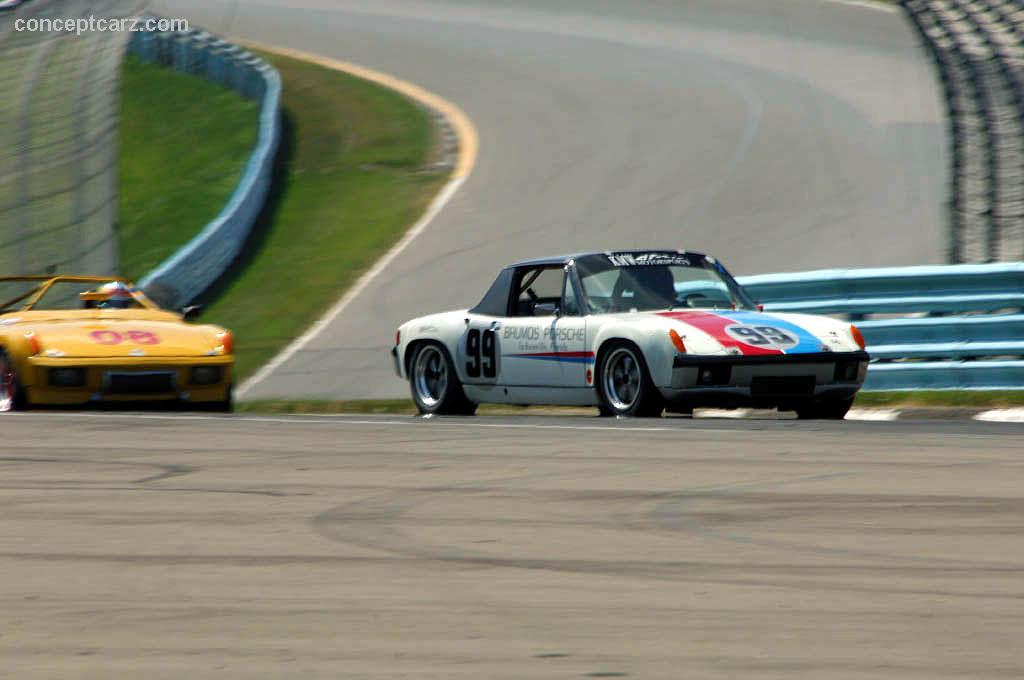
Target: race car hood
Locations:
point(101, 338)
point(749, 333)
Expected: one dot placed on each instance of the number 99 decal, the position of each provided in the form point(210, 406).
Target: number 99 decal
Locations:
point(482, 354)
point(767, 337)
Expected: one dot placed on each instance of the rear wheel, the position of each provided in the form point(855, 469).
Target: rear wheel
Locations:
point(12, 396)
point(624, 384)
point(435, 386)
point(831, 409)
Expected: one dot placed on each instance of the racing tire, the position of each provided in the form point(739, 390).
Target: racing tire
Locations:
point(12, 394)
point(435, 386)
point(831, 409)
point(624, 385)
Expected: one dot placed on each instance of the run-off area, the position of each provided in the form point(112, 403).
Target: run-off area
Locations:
point(509, 547)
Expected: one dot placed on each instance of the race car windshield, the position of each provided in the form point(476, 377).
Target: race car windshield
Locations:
point(17, 295)
point(62, 295)
point(656, 281)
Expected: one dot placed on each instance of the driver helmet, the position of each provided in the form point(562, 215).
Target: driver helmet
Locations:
point(118, 296)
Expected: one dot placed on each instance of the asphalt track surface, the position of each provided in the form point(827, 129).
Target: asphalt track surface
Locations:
point(777, 134)
point(565, 547)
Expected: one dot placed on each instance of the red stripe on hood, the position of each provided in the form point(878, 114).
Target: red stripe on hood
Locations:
point(715, 325)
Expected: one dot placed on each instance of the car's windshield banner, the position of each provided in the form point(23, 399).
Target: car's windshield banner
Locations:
point(651, 259)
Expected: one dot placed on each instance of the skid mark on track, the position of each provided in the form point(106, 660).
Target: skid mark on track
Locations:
point(388, 523)
point(169, 471)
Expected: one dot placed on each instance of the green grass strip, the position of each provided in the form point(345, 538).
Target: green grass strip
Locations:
point(350, 180)
point(950, 398)
point(184, 144)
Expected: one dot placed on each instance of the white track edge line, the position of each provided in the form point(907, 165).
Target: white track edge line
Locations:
point(439, 202)
point(341, 419)
point(867, 4)
point(1002, 415)
point(873, 414)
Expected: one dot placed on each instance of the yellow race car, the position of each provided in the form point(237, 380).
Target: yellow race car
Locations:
point(67, 340)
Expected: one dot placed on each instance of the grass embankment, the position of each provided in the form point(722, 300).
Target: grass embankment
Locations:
point(184, 143)
point(350, 181)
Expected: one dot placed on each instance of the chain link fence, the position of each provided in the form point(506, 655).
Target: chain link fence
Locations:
point(978, 47)
point(59, 106)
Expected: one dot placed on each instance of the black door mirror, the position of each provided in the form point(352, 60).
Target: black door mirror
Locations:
point(192, 312)
point(545, 309)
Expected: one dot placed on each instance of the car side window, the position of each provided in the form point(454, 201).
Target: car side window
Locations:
point(495, 300)
point(570, 305)
point(536, 286)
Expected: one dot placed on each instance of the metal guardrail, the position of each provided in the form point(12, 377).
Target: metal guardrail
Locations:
point(200, 262)
point(968, 332)
point(58, 136)
point(978, 48)
point(859, 292)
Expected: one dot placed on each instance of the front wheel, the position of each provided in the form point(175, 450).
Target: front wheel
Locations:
point(12, 396)
point(831, 409)
point(624, 384)
point(435, 386)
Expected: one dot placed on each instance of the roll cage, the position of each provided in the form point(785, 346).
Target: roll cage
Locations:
point(501, 299)
point(31, 298)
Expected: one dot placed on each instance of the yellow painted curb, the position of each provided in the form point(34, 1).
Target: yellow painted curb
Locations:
point(469, 143)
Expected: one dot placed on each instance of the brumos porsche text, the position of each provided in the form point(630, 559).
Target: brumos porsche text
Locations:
point(533, 334)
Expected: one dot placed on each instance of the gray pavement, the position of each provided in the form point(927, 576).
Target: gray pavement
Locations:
point(778, 135)
point(566, 547)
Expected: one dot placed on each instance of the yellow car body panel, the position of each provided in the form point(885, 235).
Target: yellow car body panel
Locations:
point(75, 356)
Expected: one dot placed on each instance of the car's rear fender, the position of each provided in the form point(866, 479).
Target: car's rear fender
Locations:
point(444, 329)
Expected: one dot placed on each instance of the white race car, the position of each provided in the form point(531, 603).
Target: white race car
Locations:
point(634, 333)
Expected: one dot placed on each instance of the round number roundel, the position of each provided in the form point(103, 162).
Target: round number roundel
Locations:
point(767, 337)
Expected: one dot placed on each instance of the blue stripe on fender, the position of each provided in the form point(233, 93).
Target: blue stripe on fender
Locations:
point(564, 357)
point(806, 342)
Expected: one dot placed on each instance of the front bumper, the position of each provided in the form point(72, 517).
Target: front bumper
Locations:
point(768, 381)
point(113, 379)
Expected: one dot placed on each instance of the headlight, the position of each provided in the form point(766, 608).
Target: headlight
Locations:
point(206, 375)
